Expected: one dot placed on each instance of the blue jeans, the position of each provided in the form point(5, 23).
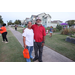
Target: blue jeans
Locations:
point(30, 49)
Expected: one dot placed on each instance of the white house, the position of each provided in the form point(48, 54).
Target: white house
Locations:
point(55, 23)
point(33, 18)
point(46, 19)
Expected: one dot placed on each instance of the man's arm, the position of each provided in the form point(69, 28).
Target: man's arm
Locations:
point(43, 41)
point(44, 34)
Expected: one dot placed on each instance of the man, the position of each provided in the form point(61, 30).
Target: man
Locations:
point(39, 37)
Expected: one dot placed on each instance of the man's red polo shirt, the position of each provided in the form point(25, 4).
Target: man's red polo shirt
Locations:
point(39, 32)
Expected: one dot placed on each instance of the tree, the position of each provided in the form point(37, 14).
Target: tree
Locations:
point(10, 22)
point(17, 22)
point(1, 21)
point(71, 22)
point(59, 27)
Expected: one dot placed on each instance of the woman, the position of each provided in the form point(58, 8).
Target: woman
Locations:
point(16, 27)
point(51, 31)
point(28, 37)
point(3, 31)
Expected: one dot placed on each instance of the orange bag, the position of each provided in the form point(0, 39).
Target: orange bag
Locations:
point(26, 53)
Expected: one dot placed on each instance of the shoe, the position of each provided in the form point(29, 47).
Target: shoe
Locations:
point(3, 41)
point(35, 59)
point(32, 58)
point(41, 61)
point(6, 42)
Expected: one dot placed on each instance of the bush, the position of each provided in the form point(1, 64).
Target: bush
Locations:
point(65, 31)
point(55, 30)
point(69, 31)
point(59, 27)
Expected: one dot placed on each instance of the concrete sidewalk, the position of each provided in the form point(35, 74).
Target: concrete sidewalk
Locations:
point(49, 55)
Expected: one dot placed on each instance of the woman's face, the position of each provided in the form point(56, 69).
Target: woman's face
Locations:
point(29, 25)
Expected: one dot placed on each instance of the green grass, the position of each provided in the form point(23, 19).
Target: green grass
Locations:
point(20, 29)
point(12, 51)
point(58, 43)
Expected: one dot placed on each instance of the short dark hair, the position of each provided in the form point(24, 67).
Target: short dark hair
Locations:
point(4, 24)
point(28, 22)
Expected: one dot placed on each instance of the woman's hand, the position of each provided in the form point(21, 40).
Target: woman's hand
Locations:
point(25, 46)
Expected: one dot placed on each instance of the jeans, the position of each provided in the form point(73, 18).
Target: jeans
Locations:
point(30, 49)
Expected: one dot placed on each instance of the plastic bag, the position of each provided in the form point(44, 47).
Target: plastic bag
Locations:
point(26, 53)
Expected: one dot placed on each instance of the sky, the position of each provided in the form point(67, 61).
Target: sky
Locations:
point(63, 16)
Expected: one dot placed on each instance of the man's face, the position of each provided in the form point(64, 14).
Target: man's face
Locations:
point(38, 21)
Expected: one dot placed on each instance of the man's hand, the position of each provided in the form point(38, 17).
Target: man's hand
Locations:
point(42, 44)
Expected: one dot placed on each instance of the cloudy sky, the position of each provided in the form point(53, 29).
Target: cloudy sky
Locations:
point(63, 16)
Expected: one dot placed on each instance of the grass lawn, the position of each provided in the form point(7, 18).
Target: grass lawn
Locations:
point(12, 51)
point(20, 29)
point(58, 43)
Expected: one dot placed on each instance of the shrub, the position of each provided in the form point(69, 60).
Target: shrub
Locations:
point(65, 31)
point(59, 27)
point(69, 31)
point(55, 30)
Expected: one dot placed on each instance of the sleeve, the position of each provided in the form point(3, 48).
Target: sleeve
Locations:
point(32, 27)
point(44, 32)
point(24, 33)
point(2, 28)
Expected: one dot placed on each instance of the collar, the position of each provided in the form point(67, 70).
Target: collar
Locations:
point(37, 24)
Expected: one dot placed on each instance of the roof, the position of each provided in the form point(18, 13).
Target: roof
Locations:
point(45, 15)
point(41, 13)
point(56, 21)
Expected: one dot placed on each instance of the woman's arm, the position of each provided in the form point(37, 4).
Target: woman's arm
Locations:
point(23, 30)
point(24, 39)
point(0, 29)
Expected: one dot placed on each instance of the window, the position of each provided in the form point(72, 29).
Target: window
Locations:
point(33, 18)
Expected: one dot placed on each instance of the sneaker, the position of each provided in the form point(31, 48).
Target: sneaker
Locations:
point(3, 41)
point(32, 58)
point(41, 61)
point(35, 59)
point(6, 42)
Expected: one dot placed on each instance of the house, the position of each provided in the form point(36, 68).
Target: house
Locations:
point(23, 22)
point(26, 20)
point(55, 23)
point(45, 19)
point(33, 18)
